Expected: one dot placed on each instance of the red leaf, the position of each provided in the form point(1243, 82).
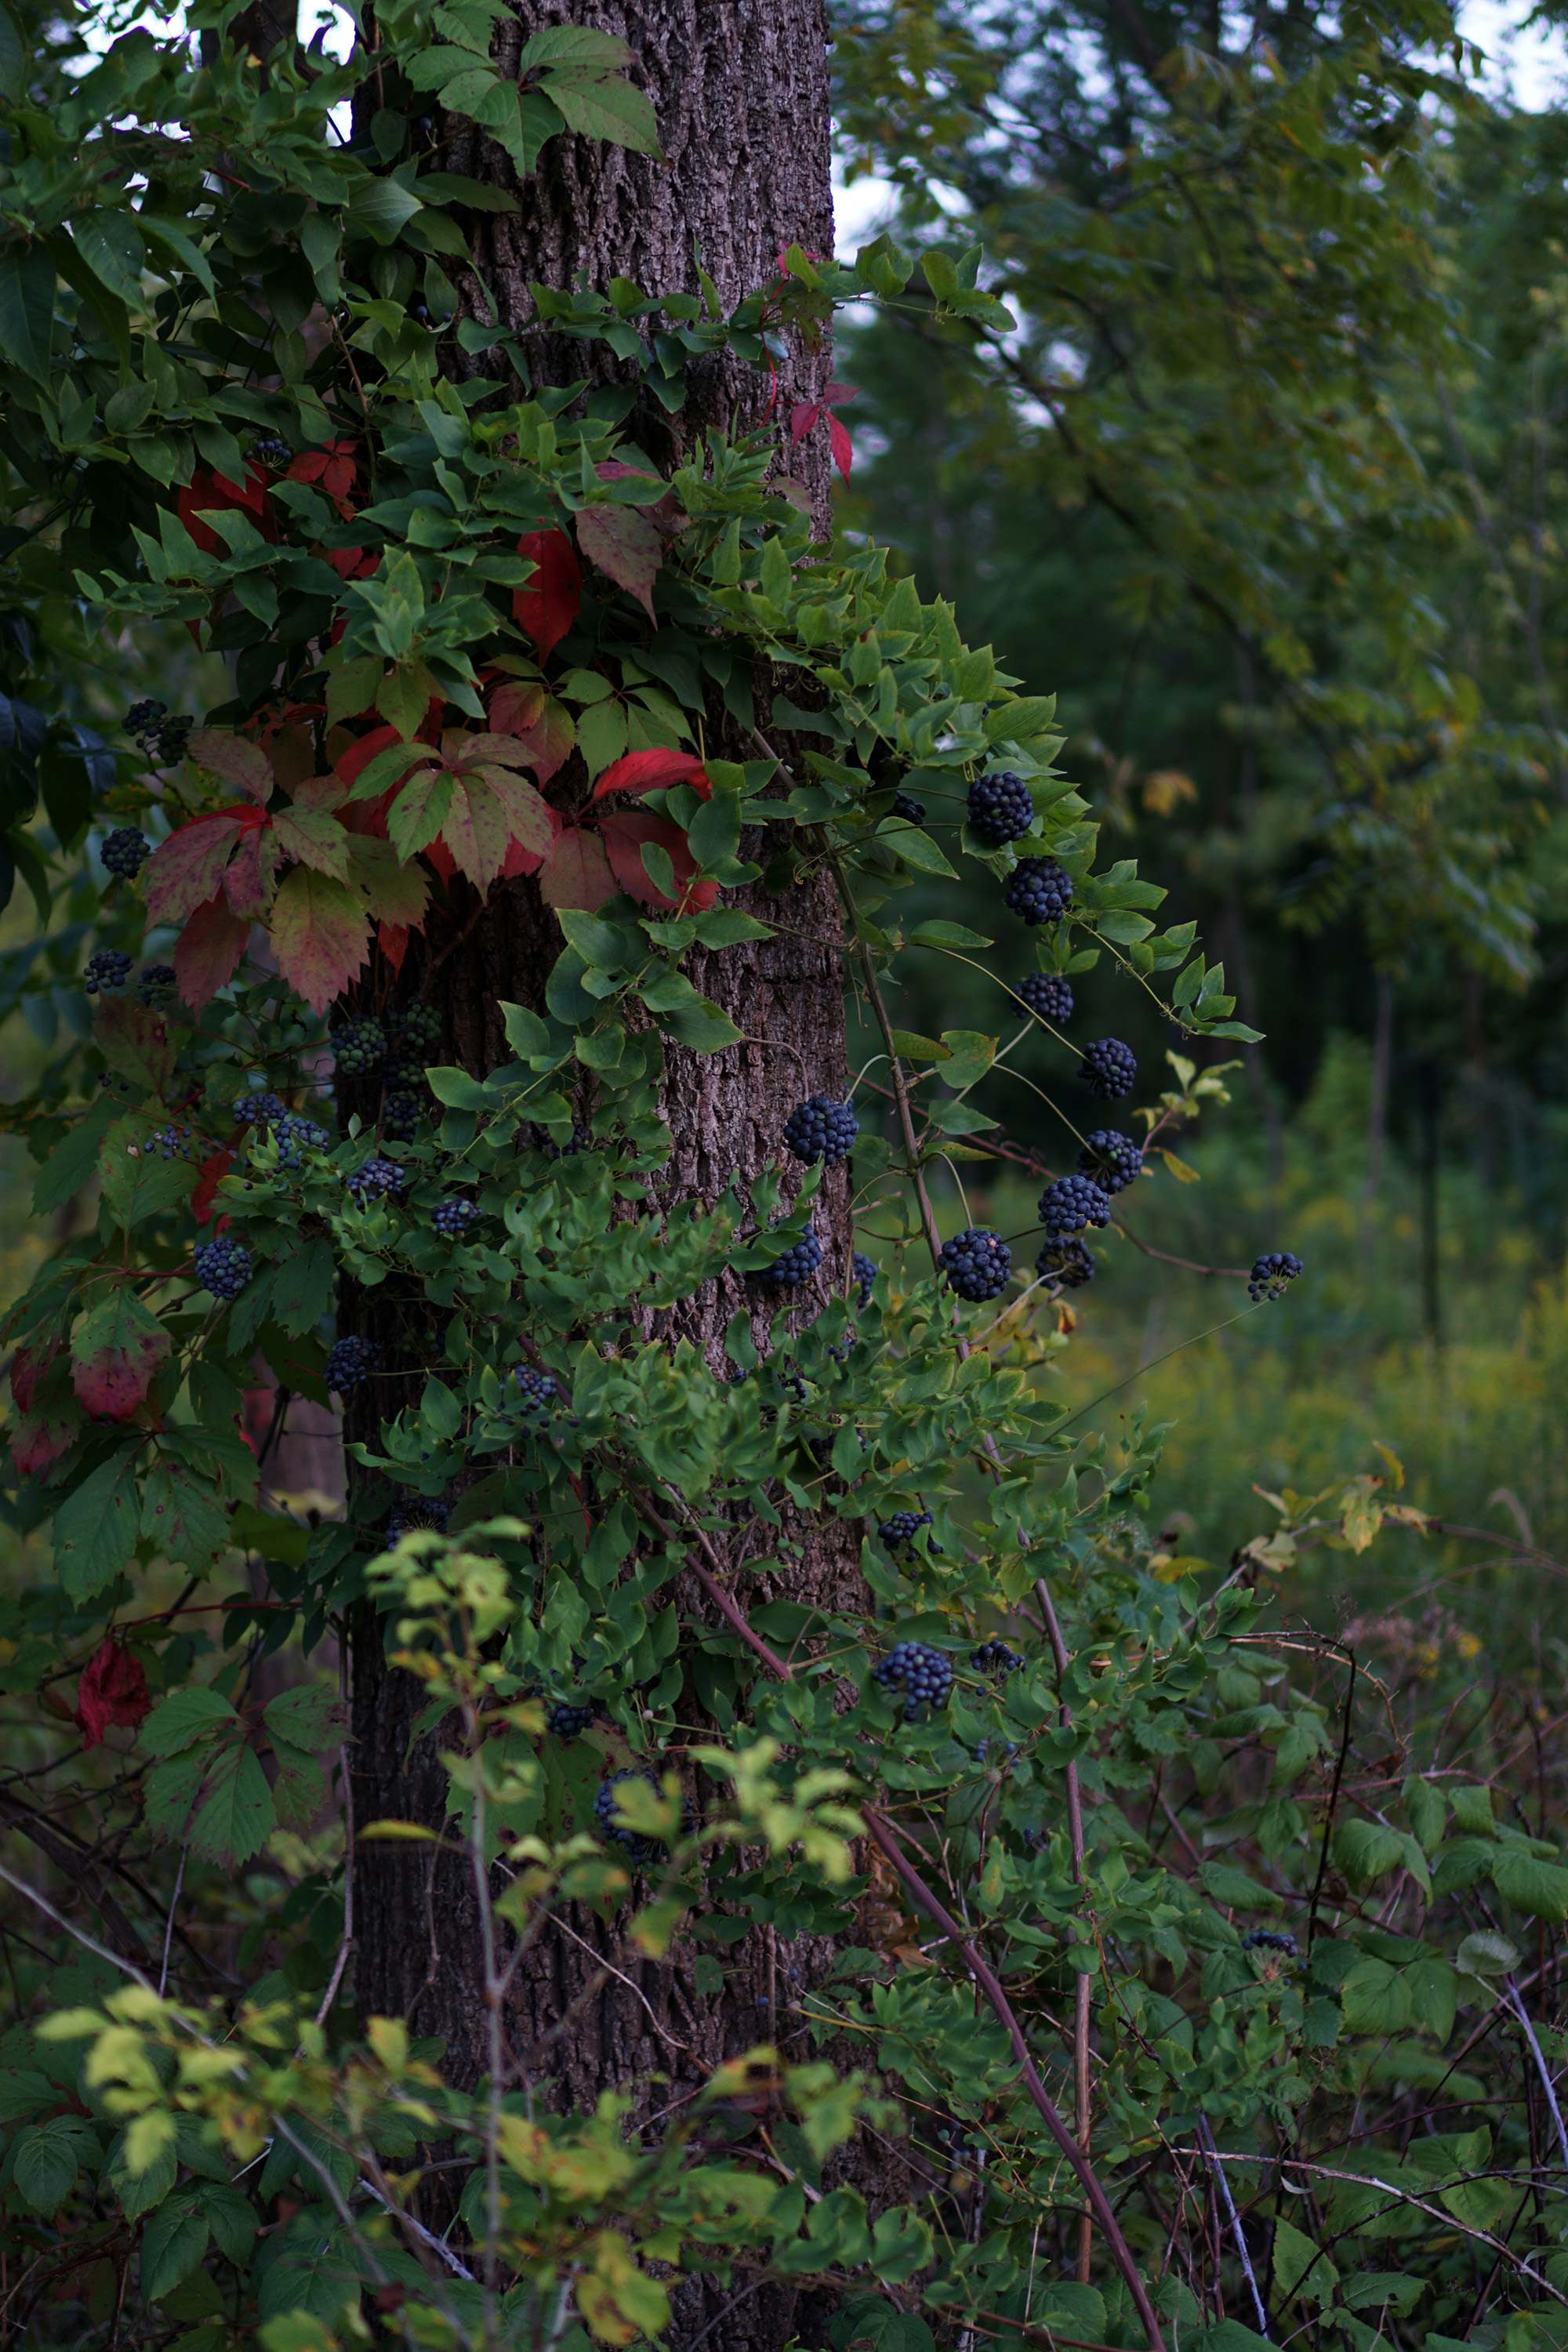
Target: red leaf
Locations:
point(392, 938)
point(577, 873)
point(843, 447)
point(216, 494)
point(27, 1371)
point(350, 563)
point(186, 870)
point(112, 1689)
point(802, 418)
point(333, 467)
point(547, 607)
point(621, 542)
point(247, 877)
point(648, 771)
point(319, 935)
point(208, 950)
point(625, 832)
point(209, 1177)
point(542, 726)
point(40, 1439)
point(116, 1349)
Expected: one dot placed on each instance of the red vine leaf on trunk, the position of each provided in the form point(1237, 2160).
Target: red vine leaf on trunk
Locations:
point(547, 607)
point(235, 759)
point(210, 1175)
point(208, 950)
point(112, 1690)
point(621, 542)
point(653, 770)
point(319, 935)
point(186, 870)
point(216, 494)
point(116, 1350)
point(626, 831)
point(545, 728)
point(313, 834)
point(248, 876)
point(577, 872)
point(805, 414)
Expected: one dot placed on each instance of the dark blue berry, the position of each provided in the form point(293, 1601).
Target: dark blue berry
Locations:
point(1113, 1160)
point(898, 1532)
point(922, 1674)
point(1005, 1751)
point(1068, 1263)
point(261, 1108)
point(821, 1129)
point(1268, 1939)
point(417, 1026)
point(566, 1720)
point(351, 1360)
point(295, 1137)
point(1001, 809)
point(631, 1841)
point(401, 1115)
point(415, 1511)
point(145, 718)
point(994, 1658)
point(223, 1267)
point(1045, 993)
point(453, 1218)
point(168, 744)
point(272, 453)
point(110, 968)
point(536, 1391)
point(156, 984)
point(125, 852)
point(358, 1046)
point(1272, 1275)
point(581, 1141)
point(1040, 890)
point(376, 1177)
point(978, 1264)
point(1108, 1067)
point(912, 811)
point(865, 1278)
point(1071, 1203)
point(797, 1264)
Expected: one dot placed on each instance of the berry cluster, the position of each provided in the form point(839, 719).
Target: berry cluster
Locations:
point(351, 1360)
point(1001, 809)
point(566, 1720)
point(1005, 1751)
point(110, 968)
point(162, 738)
point(272, 453)
point(170, 1142)
point(978, 1264)
point(1045, 994)
point(905, 805)
point(898, 1532)
point(415, 1511)
point(125, 852)
point(453, 1218)
point(606, 1807)
point(223, 1267)
point(262, 1109)
point(358, 1046)
point(864, 1270)
point(580, 1139)
point(1067, 1263)
point(1268, 1939)
point(821, 1129)
point(923, 1674)
point(1272, 1275)
point(1113, 1160)
point(400, 1117)
point(295, 1137)
point(156, 984)
point(375, 1179)
point(798, 1263)
point(536, 1391)
point(1071, 1203)
point(418, 1027)
point(1108, 1067)
point(994, 1658)
point(1040, 890)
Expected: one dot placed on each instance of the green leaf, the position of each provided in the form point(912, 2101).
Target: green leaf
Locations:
point(173, 2244)
point(303, 1285)
point(185, 1718)
point(701, 1027)
point(456, 1089)
point(183, 1516)
point(1376, 1997)
point(946, 935)
point(916, 848)
point(1299, 2268)
point(1539, 1887)
point(380, 209)
point(232, 2219)
point(612, 109)
point(1234, 1891)
point(74, 1160)
point(305, 1716)
point(236, 1815)
point(95, 1528)
point(28, 309)
point(45, 2163)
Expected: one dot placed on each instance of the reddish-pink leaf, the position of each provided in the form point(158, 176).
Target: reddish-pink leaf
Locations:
point(392, 938)
point(186, 870)
point(210, 1175)
point(112, 1689)
point(547, 607)
point(475, 829)
point(41, 1438)
point(532, 823)
point(319, 935)
point(27, 1368)
point(116, 1349)
point(625, 832)
point(577, 873)
point(652, 771)
point(843, 447)
point(239, 762)
point(312, 834)
point(544, 727)
point(667, 513)
point(248, 876)
point(621, 542)
point(208, 950)
point(802, 418)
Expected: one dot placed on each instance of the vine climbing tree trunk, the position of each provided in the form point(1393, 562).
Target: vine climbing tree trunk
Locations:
point(742, 97)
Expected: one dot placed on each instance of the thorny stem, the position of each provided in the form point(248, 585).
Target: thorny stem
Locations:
point(1542, 2069)
point(1234, 2218)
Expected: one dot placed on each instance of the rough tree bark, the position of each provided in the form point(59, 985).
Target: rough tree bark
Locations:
point(740, 91)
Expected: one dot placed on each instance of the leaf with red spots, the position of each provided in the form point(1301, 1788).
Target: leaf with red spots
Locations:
point(320, 936)
point(649, 771)
point(235, 757)
point(544, 727)
point(112, 1690)
point(116, 1350)
point(40, 1438)
point(626, 831)
point(391, 892)
point(27, 1368)
point(209, 1177)
point(134, 1040)
point(621, 542)
point(577, 873)
point(186, 870)
point(547, 607)
point(208, 950)
point(248, 876)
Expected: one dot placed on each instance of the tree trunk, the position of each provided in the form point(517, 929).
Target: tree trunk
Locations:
point(741, 93)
